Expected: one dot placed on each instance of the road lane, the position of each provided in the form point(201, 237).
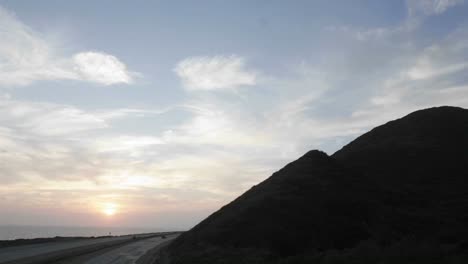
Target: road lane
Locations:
point(130, 253)
point(23, 254)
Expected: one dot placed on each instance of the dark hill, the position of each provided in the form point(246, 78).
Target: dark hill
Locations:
point(397, 194)
point(424, 146)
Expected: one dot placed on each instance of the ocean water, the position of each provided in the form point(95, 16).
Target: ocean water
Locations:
point(8, 232)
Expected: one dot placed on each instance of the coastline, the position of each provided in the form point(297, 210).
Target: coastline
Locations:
point(14, 232)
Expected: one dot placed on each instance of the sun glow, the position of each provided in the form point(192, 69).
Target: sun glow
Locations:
point(109, 209)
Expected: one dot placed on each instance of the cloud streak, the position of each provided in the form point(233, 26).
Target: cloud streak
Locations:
point(26, 57)
point(430, 7)
point(214, 73)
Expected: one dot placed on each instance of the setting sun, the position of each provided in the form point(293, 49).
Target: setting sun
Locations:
point(109, 209)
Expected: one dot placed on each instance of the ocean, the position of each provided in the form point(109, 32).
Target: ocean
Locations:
point(8, 232)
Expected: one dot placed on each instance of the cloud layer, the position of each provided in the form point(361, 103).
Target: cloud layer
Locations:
point(176, 164)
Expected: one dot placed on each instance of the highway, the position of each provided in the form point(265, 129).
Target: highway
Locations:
point(122, 249)
point(130, 253)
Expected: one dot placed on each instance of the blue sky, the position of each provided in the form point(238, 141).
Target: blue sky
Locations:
point(163, 111)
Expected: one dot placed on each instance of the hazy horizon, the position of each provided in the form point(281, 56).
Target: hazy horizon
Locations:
point(119, 113)
point(11, 232)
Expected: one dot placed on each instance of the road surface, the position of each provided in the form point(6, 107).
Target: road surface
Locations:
point(129, 253)
point(52, 251)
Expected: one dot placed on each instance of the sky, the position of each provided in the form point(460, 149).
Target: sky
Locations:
point(157, 113)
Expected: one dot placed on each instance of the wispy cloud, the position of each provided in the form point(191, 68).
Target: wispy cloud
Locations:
point(47, 119)
point(48, 140)
point(27, 56)
point(430, 7)
point(427, 76)
point(448, 56)
point(131, 145)
point(417, 12)
point(213, 73)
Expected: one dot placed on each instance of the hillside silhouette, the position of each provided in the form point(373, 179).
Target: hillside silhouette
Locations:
point(397, 194)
